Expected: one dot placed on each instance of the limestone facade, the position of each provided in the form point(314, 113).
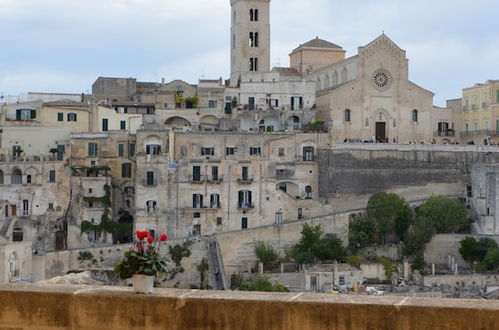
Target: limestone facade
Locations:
point(369, 97)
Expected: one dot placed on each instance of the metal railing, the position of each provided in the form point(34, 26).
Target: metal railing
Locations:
point(479, 132)
point(444, 133)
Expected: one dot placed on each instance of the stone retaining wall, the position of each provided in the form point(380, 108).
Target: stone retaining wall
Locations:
point(93, 308)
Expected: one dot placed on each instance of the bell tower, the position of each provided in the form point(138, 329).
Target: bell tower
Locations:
point(250, 38)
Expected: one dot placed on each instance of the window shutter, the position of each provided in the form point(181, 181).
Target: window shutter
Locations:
point(201, 201)
point(241, 196)
point(194, 201)
point(249, 197)
point(33, 114)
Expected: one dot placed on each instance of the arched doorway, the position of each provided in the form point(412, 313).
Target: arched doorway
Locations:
point(381, 128)
point(124, 232)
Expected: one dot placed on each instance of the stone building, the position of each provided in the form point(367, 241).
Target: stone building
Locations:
point(205, 183)
point(480, 113)
point(103, 184)
point(369, 97)
point(482, 197)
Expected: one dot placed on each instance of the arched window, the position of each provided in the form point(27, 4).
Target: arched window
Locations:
point(326, 81)
point(347, 115)
point(16, 177)
point(335, 78)
point(252, 15)
point(13, 266)
point(308, 154)
point(1, 177)
point(256, 15)
point(414, 115)
point(244, 200)
point(197, 201)
point(151, 206)
point(344, 75)
point(17, 234)
point(308, 192)
point(215, 201)
point(318, 84)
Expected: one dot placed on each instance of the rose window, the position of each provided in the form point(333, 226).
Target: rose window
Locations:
point(382, 79)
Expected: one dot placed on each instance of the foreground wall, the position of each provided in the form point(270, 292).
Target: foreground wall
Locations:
point(77, 307)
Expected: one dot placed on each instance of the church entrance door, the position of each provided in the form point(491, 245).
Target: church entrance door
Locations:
point(381, 132)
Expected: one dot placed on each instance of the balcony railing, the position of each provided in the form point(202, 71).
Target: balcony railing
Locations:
point(449, 133)
point(245, 180)
point(218, 179)
point(245, 206)
point(466, 108)
point(485, 104)
point(197, 179)
point(479, 132)
point(474, 106)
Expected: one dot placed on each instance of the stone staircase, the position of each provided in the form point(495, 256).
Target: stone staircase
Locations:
point(215, 264)
point(295, 282)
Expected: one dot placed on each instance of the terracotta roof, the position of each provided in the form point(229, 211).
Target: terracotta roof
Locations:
point(66, 103)
point(320, 43)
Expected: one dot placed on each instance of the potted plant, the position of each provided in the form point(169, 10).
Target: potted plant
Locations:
point(143, 262)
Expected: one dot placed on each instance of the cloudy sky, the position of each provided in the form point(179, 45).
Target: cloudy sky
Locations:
point(64, 45)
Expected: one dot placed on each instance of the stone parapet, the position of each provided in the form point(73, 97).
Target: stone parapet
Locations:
point(89, 307)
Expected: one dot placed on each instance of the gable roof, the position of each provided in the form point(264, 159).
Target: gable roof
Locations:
point(383, 37)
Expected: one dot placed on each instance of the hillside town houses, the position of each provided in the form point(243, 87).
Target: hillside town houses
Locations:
point(221, 155)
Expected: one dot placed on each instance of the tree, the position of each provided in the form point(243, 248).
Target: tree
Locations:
point(418, 235)
point(303, 251)
point(330, 247)
point(483, 246)
point(355, 260)
point(391, 213)
point(419, 263)
point(448, 215)
point(362, 231)
point(266, 254)
point(313, 246)
point(469, 249)
point(491, 259)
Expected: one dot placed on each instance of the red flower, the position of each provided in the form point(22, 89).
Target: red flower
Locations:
point(150, 240)
point(163, 237)
point(142, 234)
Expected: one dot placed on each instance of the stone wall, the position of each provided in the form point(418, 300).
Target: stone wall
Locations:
point(88, 307)
point(237, 247)
point(441, 246)
point(350, 174)
point(59, 263)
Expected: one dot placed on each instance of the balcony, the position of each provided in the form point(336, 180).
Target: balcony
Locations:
point(474, 106)
point(245, 206)
point(197, 179)
point(485, 105)
point(245, 180)
point(216, 180)
point(446, 133)
point(479, 133)
point(466, 107)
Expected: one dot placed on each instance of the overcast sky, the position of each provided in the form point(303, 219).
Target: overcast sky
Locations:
point(64, 45)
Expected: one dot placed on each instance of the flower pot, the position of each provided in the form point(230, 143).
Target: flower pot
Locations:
point(143, 283)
